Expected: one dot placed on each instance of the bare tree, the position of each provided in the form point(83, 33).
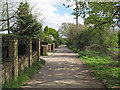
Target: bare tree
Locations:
point(79, 10)
point(7, 12)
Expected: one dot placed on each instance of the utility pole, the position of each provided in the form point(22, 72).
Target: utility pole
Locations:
point(8, 23)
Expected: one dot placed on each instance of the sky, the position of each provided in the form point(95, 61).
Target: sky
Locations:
point(54, 13)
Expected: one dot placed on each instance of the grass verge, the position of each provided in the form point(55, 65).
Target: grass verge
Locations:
point(25, 76)
point(54, 51)
point(103, 67)
point(44, 55)
point(73, 49)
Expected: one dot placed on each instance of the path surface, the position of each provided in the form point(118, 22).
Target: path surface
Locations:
point(63, 70)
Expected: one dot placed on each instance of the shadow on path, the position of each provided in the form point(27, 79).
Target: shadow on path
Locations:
point(63, 70)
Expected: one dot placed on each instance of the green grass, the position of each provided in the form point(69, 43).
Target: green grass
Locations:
point(44, 55)
point(54, 51)
point(25, 76)
point(73, 49)
point(102, 66)
point(70, 47)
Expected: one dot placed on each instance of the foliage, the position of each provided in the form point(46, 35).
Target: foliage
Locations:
point(103, 67)
point(62, 40)
point(50, 35)
point(54, 51)
point(79, 10)
point(101, 23)
point(71, 33)
point(25, 76)
point(50, 31)
point(99, 33)
point(101, 13)
point(27, 25)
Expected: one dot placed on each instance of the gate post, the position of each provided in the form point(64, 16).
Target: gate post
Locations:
point(29, 51)
point(13, 54)
point(38, 49)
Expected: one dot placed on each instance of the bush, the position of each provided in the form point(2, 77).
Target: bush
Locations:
point(103, 67)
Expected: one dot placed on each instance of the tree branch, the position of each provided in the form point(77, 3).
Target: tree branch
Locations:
point(10, 17)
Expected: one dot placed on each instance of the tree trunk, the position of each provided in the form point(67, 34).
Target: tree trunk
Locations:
point(8, 23)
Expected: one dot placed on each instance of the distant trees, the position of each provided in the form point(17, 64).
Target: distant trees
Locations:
point(69, 31)
point(18, 18)
point(50, 33)
point(101, 25)
point(99, 32)
point(79, 10)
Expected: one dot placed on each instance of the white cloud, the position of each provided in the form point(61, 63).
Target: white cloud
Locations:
point(47, 8)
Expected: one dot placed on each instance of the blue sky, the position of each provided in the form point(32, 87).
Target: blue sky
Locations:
point(62, 9)
point(53, 12)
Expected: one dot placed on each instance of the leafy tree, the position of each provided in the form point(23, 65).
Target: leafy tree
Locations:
point(54, 33)
point(46, 30)
point(100, 33)
point(69, 30)
point(79, 10)
point(50, 31)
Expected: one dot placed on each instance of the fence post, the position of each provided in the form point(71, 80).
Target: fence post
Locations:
point(38, 49)
point(29, 51)
point(53, 46)
point(49, 47)
point(13, 54)
point(0, 61)
point(44, 49)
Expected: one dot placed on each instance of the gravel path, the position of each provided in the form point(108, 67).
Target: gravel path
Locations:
point(63, 70)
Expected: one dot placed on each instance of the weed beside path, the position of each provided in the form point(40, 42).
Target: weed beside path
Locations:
point(102, 66)
point(63, 70)
point(25, 76)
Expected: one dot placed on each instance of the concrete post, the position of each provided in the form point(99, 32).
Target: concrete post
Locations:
point(29, 51)
point(38, 49)
point(53, 46)
point(49, 47)
point(13, 54)
point(44, 49)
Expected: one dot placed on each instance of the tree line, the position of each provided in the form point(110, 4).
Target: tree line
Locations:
point(100, 30)
point(22, 22)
